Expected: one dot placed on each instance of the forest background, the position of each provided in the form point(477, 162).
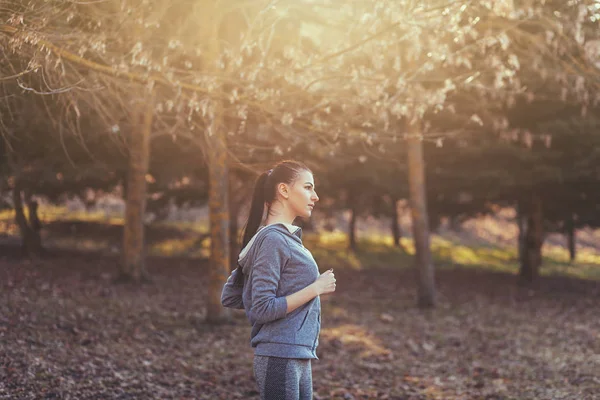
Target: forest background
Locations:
point(456, 151)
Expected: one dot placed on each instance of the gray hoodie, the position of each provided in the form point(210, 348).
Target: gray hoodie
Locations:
point(275, 265)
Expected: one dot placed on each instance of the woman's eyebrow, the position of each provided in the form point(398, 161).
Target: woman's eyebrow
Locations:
point(308, 183)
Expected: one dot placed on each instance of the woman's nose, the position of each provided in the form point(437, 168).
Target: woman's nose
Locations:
point(315, 197)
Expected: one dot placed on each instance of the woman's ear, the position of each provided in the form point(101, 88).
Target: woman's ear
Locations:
point(283, 190)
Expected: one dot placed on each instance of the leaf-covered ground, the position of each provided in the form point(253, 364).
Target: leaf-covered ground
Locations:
point(68, 332)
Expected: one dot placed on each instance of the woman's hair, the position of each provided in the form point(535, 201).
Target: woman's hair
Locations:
point(265, 193)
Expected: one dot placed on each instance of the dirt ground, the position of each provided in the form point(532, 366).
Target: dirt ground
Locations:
point(68, 332)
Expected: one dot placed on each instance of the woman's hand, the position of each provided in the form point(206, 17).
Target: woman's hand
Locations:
point(325, 283)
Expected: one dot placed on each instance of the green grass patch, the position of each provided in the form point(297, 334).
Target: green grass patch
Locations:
point(78, 244)
point(556, 262)
point(51, 213)
point(496, 258)
point(181, 247)
point(330, 249)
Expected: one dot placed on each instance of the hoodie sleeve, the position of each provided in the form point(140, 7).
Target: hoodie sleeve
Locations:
point(271, 257)
point(231, 297)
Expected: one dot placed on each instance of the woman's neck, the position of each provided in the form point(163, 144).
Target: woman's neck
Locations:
point(279, 215)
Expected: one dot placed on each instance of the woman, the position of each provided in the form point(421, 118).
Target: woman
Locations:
point(278, 284)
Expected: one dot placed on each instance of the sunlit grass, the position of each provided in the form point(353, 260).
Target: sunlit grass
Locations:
point(51, 213)
point(79, 244)
point(194, 226)
point(330, 249)
point(500, 259)
point(181, 247)
point(556, 262)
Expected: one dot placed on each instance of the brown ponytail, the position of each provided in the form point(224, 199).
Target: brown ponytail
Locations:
point(265, 193)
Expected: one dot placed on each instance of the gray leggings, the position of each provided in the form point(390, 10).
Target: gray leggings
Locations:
point(283, 378)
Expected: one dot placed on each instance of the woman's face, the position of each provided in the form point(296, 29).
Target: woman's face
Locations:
point(302, 195)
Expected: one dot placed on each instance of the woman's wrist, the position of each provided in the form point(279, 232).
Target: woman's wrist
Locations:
point(301, 297)
point(314, 289)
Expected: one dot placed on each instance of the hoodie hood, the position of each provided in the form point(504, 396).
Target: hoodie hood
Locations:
point(289, 229)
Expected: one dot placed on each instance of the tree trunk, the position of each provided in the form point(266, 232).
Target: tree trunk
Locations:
point(352, 226)
point(218, 202)
point(36, 226)
point(522, 225)
point(571, 234)
point(133, 267)
point(234, 210)
point(20, 218)
point(396, 229)
point(420, 223)
point(534, 238)
point(31, 242)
